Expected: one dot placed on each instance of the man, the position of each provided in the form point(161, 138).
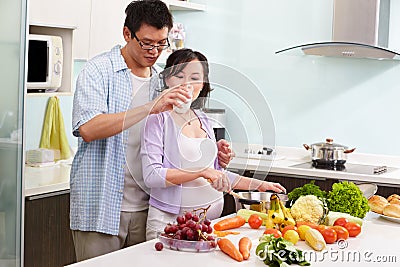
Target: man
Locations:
point(115, 92)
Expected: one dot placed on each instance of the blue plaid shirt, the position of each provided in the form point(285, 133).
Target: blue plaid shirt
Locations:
point(97, 176)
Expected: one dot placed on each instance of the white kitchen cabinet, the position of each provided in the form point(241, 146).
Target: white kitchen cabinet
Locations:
point(107, 22)
point(82, 32)
point(184, 5)
point(63, 13)
point(98, 23)
point(56, 12)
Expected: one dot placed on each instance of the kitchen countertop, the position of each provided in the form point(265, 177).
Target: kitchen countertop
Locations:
point(43, 180)
point(286, 157)
point(376, 244)
point(56, 178)
point(9, 143)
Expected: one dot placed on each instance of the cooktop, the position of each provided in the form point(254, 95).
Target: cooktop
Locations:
point(347, 167)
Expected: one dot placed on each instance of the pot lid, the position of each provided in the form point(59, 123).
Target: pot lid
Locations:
point(329, 145)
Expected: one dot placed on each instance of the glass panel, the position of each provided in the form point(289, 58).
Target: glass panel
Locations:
point(12, 51)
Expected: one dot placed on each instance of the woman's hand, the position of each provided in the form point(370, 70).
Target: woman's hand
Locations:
point(225, 153)
point(276, 187)
point(218, 179)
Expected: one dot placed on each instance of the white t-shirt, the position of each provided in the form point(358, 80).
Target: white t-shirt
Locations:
point(197, 154)
point(136, 194)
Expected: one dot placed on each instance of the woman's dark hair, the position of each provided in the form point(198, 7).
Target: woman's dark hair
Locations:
point(178, 60)
point(151, 12)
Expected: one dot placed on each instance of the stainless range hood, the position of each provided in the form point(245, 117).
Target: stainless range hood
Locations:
point(360, 30)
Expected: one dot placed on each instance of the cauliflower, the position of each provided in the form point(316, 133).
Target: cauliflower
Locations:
point(308, 209)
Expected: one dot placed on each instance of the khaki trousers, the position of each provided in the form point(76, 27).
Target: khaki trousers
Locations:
point(132, 230)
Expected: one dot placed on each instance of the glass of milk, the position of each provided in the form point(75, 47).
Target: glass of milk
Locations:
point(185, 106)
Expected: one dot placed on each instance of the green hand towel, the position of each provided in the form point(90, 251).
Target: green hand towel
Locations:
point(53, 131)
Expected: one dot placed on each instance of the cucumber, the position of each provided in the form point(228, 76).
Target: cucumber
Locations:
point(333, 215)
point(247, 213)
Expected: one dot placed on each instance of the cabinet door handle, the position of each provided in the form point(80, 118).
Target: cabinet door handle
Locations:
point(51, 194)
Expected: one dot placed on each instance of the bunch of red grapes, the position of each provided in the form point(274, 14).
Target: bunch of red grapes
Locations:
point(190, 226)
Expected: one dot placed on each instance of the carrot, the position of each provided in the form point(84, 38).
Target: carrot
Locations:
point(229, 223)
point(229, 248)
point(224, 233)
point(244, 247)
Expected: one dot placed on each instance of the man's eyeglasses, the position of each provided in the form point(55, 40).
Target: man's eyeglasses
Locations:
point(146, 46)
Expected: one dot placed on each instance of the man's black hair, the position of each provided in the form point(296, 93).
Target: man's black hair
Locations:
point(151, 12)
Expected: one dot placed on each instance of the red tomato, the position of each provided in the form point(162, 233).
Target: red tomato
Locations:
point(341, 232)
point(353, 228)
point(312, 225)
point(255, 221)
point(274, 232)
point(321, 228)
point(288, 227)
point(340, 221)
point(329, 235)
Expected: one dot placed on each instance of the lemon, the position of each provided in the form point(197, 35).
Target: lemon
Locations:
point(292, 236)
point(302, 231)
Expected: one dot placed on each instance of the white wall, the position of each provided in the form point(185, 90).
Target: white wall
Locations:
point(355, 101)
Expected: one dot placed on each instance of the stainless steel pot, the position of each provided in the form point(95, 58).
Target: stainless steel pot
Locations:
point(258, 201)
point(328, 153)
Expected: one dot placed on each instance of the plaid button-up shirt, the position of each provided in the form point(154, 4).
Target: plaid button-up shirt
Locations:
point(97, 176)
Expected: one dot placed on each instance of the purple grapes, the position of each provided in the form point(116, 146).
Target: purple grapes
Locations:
point(207, 222)
point(188, 215)
point(159, 246)
point(180, 219)
point(190, 226)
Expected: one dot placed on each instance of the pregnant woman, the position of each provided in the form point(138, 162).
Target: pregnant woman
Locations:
point(179, 151)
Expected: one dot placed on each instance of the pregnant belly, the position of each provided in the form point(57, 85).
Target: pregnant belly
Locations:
point(200, 194)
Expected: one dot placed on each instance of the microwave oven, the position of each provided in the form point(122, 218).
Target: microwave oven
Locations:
point(45, 63)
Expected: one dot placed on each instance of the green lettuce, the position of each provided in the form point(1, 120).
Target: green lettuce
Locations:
point(347, 197)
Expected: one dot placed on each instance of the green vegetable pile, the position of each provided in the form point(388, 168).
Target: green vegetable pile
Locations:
point(347, 197)
point(307, 189)
point(278, 252)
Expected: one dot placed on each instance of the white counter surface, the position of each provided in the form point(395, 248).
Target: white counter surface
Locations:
point(48, 179)
point(42, 180)
point(377, 243)
point(289, 156)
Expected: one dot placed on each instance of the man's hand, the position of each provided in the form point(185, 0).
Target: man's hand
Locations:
point(169, 98)
point(225, 153)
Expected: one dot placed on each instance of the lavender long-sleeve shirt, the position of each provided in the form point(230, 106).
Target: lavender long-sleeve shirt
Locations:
point(160, 151)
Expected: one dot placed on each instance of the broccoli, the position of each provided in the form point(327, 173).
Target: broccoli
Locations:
point(307, 189)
